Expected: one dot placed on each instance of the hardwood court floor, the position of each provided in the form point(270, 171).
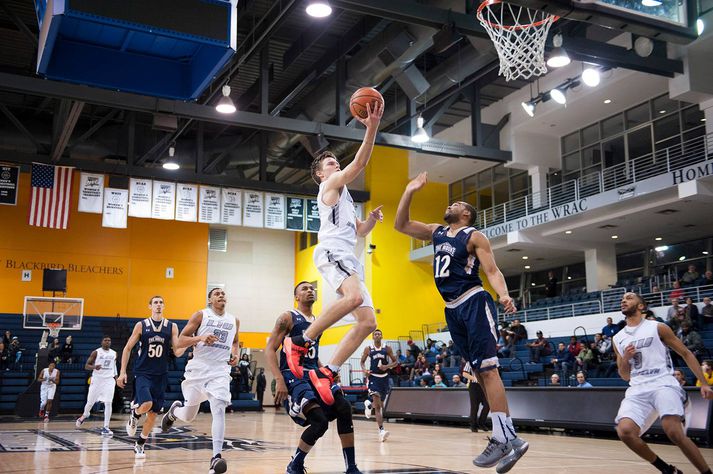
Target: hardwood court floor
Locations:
point(262, 443)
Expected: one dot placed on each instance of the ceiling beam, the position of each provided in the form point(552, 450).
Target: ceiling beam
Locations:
point(19, 23)
point(16, 122)
point(207, 113)
point(94, 128)
point(65, 133)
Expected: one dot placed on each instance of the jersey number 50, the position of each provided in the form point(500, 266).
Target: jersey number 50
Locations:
point(440, 266)
point(155, 350)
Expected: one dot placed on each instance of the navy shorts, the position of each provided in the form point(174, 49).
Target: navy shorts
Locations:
point(473, 327)
point(299, 393)
point(150, 388)
point(379, 385)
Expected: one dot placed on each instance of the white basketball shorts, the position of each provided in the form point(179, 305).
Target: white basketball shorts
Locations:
point(47, 392)
point(643, 404)
point(335, 264)
point(101, 390)
point(203, 382)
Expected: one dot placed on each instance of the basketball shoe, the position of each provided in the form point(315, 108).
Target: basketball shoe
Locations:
point(169, 418)
point(294, 468)
point(493, 453)
point(217, 465)
point(132, 424)
point(322, 379)
point(78, 422)
point(294, 349)
point(383, 435)
point(519, 448)
point(367, 409)
point(106, 432)
point(139, 451)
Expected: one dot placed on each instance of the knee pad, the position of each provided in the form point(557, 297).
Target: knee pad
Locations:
point(318, 425)
point(343, 409)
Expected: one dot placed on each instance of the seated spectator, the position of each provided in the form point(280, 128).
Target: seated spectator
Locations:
point(15, 350)
point(690, 277)
point(538, 348)
point(438, 382)
point(652, 317)
point(677, 321)
point(516, 332)
point(554, 380)
point(410, 360)
point(563, 360)
point(677, 292)
point(415, 350)
point(610, 329)
point(692, 340)
point(706, 279)
point(7, 339)
point(438, 371)
point(706, 316)
point(575, 347)
point(691, 311)
point(423, 383)
point(678, 375)
point(582, 381)
point(456, 382)
point(707, 368)
point(504, 345)
point(4, 357)
point(55, 352)
point(419, 366)
point(400, 357)
point(67, 350)
point(673, 310)
point(655, 289)
point(586, 359)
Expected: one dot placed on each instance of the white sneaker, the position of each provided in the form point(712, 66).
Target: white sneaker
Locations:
point(106, 432)
point(367, 409)
point(78, 422)
point(139, 451)
point(132, 424)
point(383, 435)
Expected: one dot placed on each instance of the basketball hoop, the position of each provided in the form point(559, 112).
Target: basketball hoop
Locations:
point(54, 329)
point(519, 36)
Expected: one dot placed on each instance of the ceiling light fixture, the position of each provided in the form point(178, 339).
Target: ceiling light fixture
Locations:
point(225, 104)
point(591, 76)
point(658, 239)
point(567, 232)
point(525, 257)
point(558, 96)
point(420, 136)
point(681, 258)
point(661, 248)
point(319, 8)
point(558, 56)
point(529, 107)
point(527, 267)
point(171, 164)
point(607, 101)
point(651, 3)
point(614, 236)
point(700, 26)
point(705, 252)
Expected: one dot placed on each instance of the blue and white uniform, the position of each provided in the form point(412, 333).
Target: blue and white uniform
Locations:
point(470, 310)
point(151, 365)
point(103, 381)
point(378, 380)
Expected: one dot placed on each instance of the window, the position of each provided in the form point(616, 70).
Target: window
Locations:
point(612, 126)
point(455, 189)
point(591, 156)
point(570, 142)
point(664, 106)
point(614, 152)
point(571, 162)
point(639, 142)
point(692, 117)
point(590, 134)
point(638, 115)
point(666, 127)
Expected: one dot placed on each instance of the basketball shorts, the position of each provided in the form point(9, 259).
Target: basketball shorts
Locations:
point(150, 388)
point(471, 318)
point(643, 404)
point(378, 386)
point(101, 390)
point(299, 393)
point(204, 382)
point(47, 392)
point(335, 265)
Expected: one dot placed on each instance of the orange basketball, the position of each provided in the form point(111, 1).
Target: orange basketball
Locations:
point(360, 98)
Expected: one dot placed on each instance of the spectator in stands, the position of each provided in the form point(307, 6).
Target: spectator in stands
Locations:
point(15, 350)
point(554, 380)
point(246, 375)
point(419, 366)
point(678, 375)
point(423, 383)
point(438, 371)
point(235, 383)
point(400, 357)
point(603, 345)
point(55, 352)
point(563, 360)
point(677, 292)
point(707, 368)
point(673, 310)
point(7, 338)
point(691, 310)
point(585, 359)
point(655, 289)
point(438, 382)
point(610, 329)
point(574, 347)
point(678, 320)
point(4, 357)
point(706, 316)
point(582, 381)
point(505, 344)
point(456, 382)
point(706, 279)
point(67, 349)
point(538, 348)
point(451, 357)
point(415, 350)
point(551, 285)
point(692, 340)
point(690, 277)
point(516, 332)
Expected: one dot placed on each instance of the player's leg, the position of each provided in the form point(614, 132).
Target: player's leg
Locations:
point(217, 410)
point(43, 400)
point(673, 427)
point(186, 411)
point(317, 425)
point(91, 400)
point(342, 409)
point(143, 402)
point(107, 418)
point(50, 398)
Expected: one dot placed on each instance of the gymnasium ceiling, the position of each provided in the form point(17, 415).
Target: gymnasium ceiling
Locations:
point(428, 58)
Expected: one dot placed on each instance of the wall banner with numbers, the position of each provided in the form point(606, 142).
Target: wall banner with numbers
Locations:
point(312, 216)
point(232, 212)
point(253, 209)
point(91, 193)
point(295, 213)
point(209, 205)
point(9, 178)
point(187, 202)
point(140, 192)
point(115, 208)
point(164, 200)
point(274, 211)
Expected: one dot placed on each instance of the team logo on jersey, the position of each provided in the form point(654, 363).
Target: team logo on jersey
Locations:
point(446, 247)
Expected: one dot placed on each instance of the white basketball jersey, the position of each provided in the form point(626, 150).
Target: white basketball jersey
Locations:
point(652, 361)
point(107, 360)
point(337, 223)
point(46, 376)
point(223, 327)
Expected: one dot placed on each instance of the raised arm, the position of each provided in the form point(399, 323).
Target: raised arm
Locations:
point(90, 362)
point(623, 361)
point(403, 222)
point(670, 339)
point(364, 227)
point(282, 328)
point(126, 354)
point(480, 245)
point(174, 341)
point(187, 338)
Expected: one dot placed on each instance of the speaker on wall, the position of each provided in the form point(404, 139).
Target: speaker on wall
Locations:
point(54, 280)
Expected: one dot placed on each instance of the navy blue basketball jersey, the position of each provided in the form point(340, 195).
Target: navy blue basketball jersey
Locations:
point(377, 357)
point(454, 269)
point(299, 326)
point(154, 348)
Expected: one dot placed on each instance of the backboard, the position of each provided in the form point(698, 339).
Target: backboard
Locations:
point(38, 311)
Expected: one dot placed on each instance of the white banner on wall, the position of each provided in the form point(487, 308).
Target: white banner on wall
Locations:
point(91, 192)
point(209, 205)
point(140, 191)
point(187, 202)
point(274, 211)
point(116, 202)
point(253, 209)
point(164, 200)
point(231, 213)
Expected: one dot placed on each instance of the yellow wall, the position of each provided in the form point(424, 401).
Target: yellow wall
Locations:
point(116, 271)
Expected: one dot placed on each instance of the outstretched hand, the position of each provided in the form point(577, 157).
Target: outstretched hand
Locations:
point(377, 214)
point(374, 112)
point(418, 182)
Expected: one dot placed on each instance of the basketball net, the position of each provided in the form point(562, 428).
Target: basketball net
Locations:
point(54, 329)
point(519, 35)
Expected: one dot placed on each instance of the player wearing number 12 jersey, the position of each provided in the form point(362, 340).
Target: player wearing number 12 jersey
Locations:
point(155, 336)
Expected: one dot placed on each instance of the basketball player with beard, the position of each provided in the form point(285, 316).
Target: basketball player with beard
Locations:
point(381, 359)
point(102, 363)
point(643, 359)
point(459, 251)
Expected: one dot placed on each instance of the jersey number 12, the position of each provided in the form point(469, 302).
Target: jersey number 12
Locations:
point(441, 266)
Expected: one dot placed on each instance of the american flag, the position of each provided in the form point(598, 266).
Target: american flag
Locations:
point(51, 191)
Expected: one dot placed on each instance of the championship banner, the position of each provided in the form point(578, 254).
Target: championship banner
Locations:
point(115, 209)
point(231, 213)
point(91, 193)
point(253, 209)
point(9, 179)
point(187, 203)
point(209, 210)
point(295, 213)
point(274, 211)
point(164, 200)
point(140, 192)
point(312, 216)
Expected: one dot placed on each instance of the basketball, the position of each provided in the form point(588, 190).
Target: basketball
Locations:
point(360, 98)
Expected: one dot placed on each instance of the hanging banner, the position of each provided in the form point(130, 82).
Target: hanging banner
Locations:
point(295, 213)
point(9, 177)
point(187, 202)
point(232, 214)
point(115, 208)
point(209, 210)
point(140, 197)
point(312, 216)
point(253, 209)
point(91, 193)
point(274, 211)
point(164, 200)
